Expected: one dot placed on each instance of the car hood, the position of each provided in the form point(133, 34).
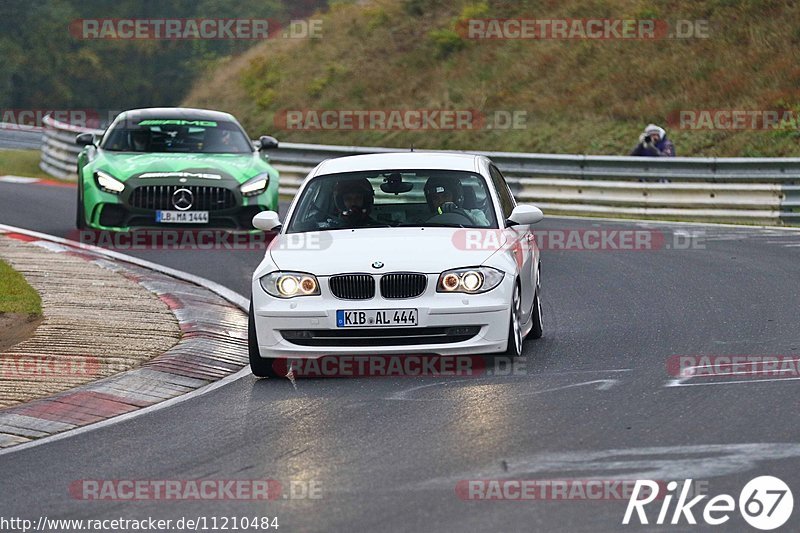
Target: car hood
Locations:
point(126, 165)
point(428, 250)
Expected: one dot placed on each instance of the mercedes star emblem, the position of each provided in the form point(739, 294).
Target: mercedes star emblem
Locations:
point(182, 199)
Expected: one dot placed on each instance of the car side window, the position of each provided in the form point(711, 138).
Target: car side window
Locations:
point(507, 202)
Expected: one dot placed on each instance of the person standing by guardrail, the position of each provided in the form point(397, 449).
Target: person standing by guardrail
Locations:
point(654, 143)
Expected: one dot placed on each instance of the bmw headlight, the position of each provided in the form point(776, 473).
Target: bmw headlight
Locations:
point(290, 284)
point(108, 183)
point(255, 186)
point(473, 280)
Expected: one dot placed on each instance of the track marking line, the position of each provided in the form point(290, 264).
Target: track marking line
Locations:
point(564, 372)
point(18, 179)
point(604, 384)
point(648, 462)
point(691, 372)
point(680, 382)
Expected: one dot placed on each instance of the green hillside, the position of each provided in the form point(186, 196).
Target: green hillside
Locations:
point(580, 96)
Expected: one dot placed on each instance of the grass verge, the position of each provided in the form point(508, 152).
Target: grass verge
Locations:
point(16, 296)
point(21, 163)
point(576, 96)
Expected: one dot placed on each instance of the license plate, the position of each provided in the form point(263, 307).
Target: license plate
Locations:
point(182, 217)
point(376, 318)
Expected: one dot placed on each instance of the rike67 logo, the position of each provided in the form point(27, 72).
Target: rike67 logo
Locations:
point(765, 503)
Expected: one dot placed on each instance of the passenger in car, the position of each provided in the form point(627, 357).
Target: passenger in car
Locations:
point(446, 195)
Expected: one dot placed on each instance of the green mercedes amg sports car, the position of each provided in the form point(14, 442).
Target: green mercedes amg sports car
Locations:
point(174, 167)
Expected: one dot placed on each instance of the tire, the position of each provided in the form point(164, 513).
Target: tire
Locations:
point(261, 367)
point(537, 330)
point(514, 345)
point(80, 213)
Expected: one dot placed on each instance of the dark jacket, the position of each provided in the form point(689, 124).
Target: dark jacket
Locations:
point(663, 148)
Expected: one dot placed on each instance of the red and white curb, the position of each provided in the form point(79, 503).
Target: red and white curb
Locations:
point(212, 351)
point(37, 181)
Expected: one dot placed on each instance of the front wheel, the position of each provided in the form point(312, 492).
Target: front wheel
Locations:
point(80, 215)
point(537, 330)
point(261, 367)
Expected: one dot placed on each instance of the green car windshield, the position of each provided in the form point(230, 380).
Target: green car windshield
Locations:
point(177, 136)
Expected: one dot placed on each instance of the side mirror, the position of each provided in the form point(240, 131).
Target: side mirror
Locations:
point(267, 221)
point(84, 139)
point(267, 142)
point(524, 215)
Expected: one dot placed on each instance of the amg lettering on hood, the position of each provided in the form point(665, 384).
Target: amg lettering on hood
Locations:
point(199, 175)
point(178, 122)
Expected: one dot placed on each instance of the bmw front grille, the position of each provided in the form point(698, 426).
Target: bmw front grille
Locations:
point(393, 286)
point(352, 286)
point(403, 285)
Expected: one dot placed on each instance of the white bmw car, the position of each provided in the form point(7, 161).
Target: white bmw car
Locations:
point(403, 253)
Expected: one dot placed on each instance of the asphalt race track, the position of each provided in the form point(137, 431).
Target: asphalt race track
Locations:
point(593, 399)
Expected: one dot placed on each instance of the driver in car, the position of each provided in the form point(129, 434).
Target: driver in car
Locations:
point(139, 140)
point(353, 199)
point(446, 195)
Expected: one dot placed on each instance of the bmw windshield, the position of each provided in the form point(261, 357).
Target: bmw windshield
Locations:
point(407, 198)
point(177, 136)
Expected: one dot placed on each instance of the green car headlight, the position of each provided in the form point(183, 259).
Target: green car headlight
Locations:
point(290, 284)
point(255, 186)
point(108, 183)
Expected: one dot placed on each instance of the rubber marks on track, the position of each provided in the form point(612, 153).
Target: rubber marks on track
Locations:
point(702, 461)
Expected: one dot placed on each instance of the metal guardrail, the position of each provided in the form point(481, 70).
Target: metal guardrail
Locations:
point(732, 189)
point(18, 137)
point(59, 151)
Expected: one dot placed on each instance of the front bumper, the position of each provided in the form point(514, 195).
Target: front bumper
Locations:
point(448, 324)
point(136, 206)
